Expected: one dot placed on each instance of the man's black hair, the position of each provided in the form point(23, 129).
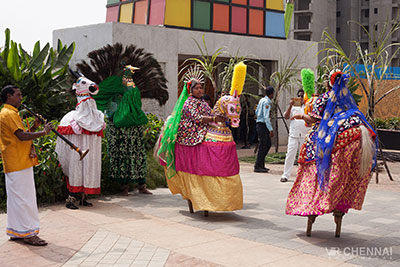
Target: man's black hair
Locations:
point(300, 91)
point(269, 90)
point(8, 89)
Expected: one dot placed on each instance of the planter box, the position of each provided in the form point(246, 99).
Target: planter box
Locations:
point(390, 139)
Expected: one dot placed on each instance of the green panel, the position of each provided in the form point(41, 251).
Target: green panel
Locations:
point(109, 2)
point(201, 15)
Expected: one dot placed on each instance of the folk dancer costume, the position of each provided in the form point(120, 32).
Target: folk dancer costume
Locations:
point(120, 99)
point(83, 127)
point(201, 159)
point(335, 162)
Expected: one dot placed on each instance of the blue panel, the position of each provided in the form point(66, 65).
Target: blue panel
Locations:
point(274, 24)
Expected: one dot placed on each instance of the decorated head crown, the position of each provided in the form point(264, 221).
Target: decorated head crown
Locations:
point(332, 76)
point(194, 73)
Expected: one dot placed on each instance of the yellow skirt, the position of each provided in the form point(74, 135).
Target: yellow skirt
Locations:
point(211, 193)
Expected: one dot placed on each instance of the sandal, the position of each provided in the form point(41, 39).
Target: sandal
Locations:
point(14, 239)
point(35, 241)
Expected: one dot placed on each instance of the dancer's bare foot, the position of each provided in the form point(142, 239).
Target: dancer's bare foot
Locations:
point(143, 190)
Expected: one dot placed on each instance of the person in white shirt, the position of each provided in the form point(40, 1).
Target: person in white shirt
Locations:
point(297, 133)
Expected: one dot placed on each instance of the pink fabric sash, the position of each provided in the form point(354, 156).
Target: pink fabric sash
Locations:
point(207, 158)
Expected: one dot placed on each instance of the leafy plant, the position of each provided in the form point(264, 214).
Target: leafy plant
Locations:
point(49, 178)
point(376, 62)
point(153, 129)
point(281, 79)
point(42, 76)
point(390, 123)
point(207, 62)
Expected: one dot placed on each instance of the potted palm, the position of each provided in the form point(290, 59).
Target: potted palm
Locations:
point(389, 132)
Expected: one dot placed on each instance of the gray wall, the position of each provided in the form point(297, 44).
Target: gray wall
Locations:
point(167, 44)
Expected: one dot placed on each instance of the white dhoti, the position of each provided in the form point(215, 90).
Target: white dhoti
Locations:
point(22, 211)
point(83, 175)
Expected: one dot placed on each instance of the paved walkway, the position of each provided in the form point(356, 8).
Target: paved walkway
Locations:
point(158, 230)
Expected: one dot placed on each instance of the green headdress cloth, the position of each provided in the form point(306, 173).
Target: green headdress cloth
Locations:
point(167, 144)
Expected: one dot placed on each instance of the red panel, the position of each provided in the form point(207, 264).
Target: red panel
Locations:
point(241, 2)
point(157, 11)
point(221, 18)
point(239, 18)
point(257, 3)
point(256, 22)
point(140, 12)
point(112, 14)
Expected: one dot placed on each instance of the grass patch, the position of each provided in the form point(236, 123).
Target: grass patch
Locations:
point(271, 158)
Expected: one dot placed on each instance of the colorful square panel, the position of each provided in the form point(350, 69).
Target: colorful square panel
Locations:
point(112, 14)
point(241, 2)
point(239, 19)
point(126, 12)
point(140, 12)
point(274, 4)
point(274, 24)
point(256, 3)
point(157, 8)
point(201, 15)
point(256, 21)
point(109, 2)
point(177, 13)
point(221, 18)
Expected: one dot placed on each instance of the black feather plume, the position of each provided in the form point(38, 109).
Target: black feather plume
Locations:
point(110, 60)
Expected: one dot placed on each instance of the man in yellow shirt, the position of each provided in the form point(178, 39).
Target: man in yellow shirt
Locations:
point(18, 162)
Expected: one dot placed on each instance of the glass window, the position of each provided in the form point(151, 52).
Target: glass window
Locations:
point(239, 19)
point(201, 15)
point(221, 18)
point(256, 22)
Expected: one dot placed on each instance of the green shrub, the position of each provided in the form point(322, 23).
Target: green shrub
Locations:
point(49, 179)
point(390, 123)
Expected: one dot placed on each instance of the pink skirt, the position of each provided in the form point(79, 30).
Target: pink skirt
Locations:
point(207, 158)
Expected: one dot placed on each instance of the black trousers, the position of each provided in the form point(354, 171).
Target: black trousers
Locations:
point(264, 144)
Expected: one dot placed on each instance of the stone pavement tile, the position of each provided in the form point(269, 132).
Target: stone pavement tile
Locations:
point(304, 260)
point(384, 221)
point(177, 259)
point(369, 262)
point(354, 227)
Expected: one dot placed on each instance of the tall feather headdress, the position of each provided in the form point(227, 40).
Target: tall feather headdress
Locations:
point(238, 78)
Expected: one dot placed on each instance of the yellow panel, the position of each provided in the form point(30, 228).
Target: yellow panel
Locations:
point(177, 13)
point(126, 13)
point(274, 4)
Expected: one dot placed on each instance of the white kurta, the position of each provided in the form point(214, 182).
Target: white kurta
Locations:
point(83, 175)
point(22, 211)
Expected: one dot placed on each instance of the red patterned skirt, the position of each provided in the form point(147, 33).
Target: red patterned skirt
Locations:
point(346, 189)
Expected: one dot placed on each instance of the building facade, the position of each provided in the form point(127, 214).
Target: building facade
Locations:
point(170, 29)
point(341, 18)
